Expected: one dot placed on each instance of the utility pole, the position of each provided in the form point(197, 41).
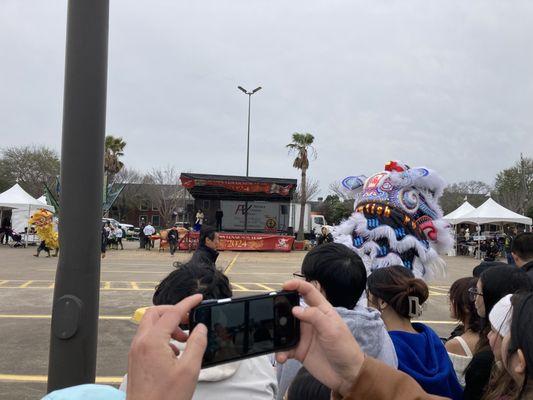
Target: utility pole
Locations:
point(74, 332)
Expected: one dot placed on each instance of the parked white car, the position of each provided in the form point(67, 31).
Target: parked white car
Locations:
point(114, 222)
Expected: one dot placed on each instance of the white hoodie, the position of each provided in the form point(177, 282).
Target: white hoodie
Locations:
point(250, 379)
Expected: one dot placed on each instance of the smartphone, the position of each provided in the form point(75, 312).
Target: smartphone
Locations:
point(246, 327)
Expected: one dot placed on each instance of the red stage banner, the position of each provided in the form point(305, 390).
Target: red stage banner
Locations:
point(244, 241)
point(239, 186)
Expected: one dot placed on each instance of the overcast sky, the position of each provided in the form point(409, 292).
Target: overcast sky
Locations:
point(445, 84)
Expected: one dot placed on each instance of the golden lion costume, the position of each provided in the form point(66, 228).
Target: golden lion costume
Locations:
point(43, 220)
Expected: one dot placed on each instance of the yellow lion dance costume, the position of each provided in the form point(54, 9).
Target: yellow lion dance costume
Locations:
point(43, 220)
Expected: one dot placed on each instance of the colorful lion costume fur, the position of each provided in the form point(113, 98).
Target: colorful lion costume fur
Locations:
point(397, 220)
point(43, 220)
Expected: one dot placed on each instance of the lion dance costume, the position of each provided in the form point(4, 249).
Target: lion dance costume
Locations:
point(397, 220)
point(43, 220)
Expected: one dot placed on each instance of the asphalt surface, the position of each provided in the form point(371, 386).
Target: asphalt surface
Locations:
point(128, 280)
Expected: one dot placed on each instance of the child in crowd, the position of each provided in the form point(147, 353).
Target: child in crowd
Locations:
point(398, 295)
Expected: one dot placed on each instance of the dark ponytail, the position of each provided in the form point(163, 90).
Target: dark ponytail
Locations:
point(395, 285)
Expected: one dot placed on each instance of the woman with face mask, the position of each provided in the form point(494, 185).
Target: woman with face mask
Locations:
point(493, 284)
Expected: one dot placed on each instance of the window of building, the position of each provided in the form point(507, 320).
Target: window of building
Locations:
point(142, 218)
point(155, 207)
point(145, 204)
point(155, 220)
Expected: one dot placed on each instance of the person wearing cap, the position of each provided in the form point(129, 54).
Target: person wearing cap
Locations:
point(500, 323)
point(501, 384)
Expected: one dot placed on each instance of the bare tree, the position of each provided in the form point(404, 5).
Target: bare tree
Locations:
point(470, 187)
point(344, 194)
point(129, 175)
point(312, 188)
point(165, 192)
point(133, 194)
point(31, 166)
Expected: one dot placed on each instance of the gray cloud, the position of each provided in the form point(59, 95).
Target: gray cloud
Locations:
point(445, 84)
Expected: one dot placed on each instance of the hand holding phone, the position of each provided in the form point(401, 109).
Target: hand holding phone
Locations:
point(152, 359)
point(327, 348)
point(247, 326)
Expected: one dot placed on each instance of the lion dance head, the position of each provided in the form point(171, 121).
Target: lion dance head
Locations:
point(43, 220)
point(397, 220)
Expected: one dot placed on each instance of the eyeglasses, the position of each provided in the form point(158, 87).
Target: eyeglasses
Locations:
point(473, 293)
point(298, 275)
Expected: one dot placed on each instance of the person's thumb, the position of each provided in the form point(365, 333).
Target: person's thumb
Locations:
point(195, 348)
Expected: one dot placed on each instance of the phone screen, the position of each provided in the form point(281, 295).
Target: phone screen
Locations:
point(246, 327)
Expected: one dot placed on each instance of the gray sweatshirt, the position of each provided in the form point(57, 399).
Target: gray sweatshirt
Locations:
point(367, 328)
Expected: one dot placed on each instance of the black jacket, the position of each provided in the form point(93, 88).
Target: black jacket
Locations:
point(477, 374)
point(172, 235)
point(325, 239)
point(528, 267)
point(205, 255)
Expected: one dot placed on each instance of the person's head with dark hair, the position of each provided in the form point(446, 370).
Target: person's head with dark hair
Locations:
point(395, 292)
point(495, 283)
point(491, 286)
point(338, 272)
point(189, 279)
point(461, 306)
point(517, 348)
point(209, 237)
point(306, 387)
point(522, 248)
point(483, 266)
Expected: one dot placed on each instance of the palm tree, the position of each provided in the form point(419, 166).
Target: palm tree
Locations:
point(114, 148)
point(301, 144)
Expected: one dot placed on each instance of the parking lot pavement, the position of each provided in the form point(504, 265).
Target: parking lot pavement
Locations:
point(128, 279)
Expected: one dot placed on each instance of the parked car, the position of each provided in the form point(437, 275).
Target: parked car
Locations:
point(114, 222)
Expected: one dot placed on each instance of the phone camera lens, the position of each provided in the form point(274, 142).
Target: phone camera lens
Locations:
point(283, 321)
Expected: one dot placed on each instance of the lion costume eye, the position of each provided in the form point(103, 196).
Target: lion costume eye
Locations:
point(409, 200)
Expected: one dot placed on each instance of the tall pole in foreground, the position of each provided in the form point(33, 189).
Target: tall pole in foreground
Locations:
point(77, 286)
point(257, 89)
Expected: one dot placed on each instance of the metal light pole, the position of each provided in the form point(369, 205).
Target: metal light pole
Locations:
point(74, 331)
point(257, 89)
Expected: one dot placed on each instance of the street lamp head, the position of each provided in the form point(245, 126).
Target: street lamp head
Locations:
point(257, 89)
point(242, 89)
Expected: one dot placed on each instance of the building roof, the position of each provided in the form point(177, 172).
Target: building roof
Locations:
point(230, 187)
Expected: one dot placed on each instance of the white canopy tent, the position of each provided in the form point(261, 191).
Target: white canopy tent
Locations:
point(461, 211)
point(22, 205)
point(491, 212)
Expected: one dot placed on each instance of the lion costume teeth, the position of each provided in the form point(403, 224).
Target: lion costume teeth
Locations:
point(397, 220)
